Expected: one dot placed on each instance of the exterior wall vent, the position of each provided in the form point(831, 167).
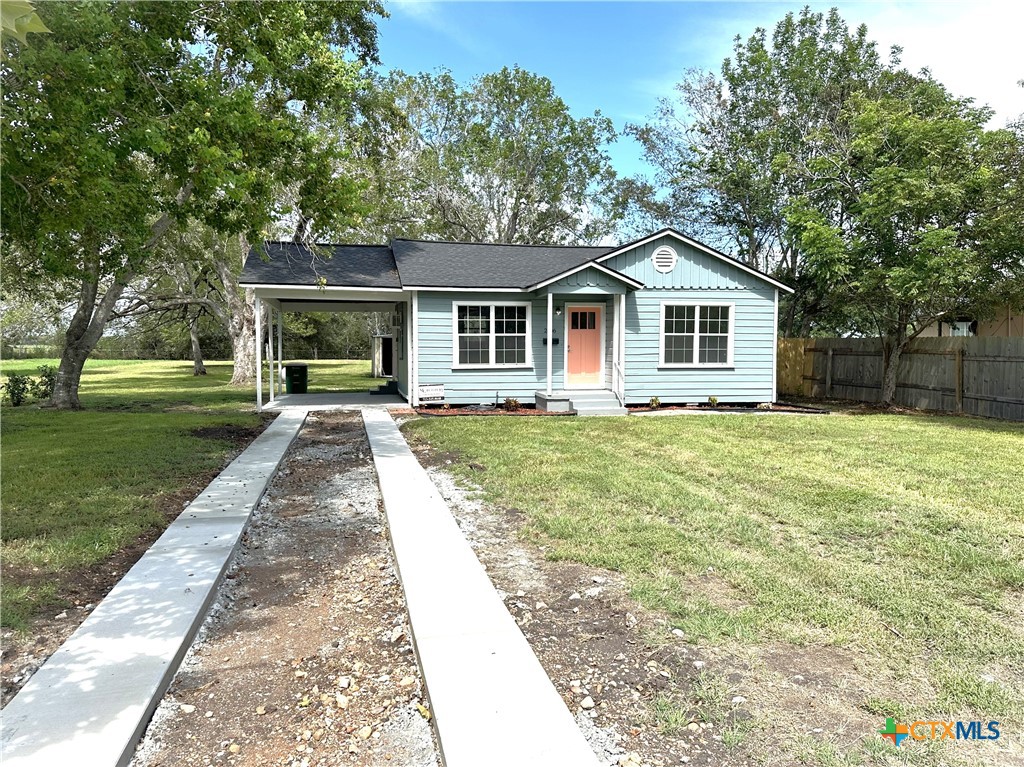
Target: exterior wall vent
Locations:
point(664, 259)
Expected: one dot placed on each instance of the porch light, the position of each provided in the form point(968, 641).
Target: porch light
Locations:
point(558, 311)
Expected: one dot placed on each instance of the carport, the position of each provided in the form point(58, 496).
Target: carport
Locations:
point(293, 277)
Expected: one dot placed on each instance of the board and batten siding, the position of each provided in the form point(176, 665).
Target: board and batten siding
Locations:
point(589, 281)
point(697, 278)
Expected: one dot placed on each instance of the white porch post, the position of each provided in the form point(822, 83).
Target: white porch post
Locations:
point(280, 352)
point(551, 341)
point(622, 341)
point(259, 355)
point(616, 364)
point(414, 372)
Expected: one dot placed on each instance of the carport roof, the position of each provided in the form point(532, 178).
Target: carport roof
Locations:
point(293, 263)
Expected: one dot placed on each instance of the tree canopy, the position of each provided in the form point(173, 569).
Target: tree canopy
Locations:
point(130, 118)
point(499, 160)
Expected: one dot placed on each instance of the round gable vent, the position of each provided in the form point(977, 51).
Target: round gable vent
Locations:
point(664, 259)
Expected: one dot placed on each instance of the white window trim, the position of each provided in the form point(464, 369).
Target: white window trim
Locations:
point(730, 345)
point(456, 365)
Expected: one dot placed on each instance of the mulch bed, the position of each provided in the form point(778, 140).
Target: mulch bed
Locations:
point(778, 407)
point(477, 410)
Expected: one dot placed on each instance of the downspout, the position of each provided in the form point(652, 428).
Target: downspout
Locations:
point(775, 348)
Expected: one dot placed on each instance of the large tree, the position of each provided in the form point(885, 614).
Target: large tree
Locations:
point(897, 216)
point(722, 144)
point(501, 159)
point(133, 118)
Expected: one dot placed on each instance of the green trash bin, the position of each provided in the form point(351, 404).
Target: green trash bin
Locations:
point(296, 377)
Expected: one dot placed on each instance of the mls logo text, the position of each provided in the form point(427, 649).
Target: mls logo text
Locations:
point(922, 730)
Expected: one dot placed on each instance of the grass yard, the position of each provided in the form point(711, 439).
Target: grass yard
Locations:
point(897, 537)
point(79, 487)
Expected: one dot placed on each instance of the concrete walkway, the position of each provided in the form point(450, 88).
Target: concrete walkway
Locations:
point(91, 701)
point(493, 704)
point(334, 401)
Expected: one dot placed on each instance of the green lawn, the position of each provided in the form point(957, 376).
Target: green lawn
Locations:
point(901, 536)
point(77, 487)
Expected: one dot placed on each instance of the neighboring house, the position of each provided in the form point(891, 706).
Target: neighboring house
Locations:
point(1004, 323)
point(559, 326)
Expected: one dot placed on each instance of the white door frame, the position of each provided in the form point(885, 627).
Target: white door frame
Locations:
point(602, 309)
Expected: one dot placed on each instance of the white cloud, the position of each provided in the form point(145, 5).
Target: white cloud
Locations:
point(431, 14)
point(974, 48)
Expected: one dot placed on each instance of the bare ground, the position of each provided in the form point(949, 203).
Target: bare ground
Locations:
point(306, 659)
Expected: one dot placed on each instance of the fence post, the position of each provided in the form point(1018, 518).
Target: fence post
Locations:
point(959, 362)
point(828, 375)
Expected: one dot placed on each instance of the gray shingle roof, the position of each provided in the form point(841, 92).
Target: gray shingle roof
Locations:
point(475, 265)
point(292, 263)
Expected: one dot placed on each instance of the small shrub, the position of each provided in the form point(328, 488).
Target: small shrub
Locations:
point(17, 388)
point(764, 405)
point(42, 388)
point(713, 401)
point(510, 404)
point(654, 403)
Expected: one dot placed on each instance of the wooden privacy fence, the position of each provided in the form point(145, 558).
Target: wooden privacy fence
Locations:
point(979, 376)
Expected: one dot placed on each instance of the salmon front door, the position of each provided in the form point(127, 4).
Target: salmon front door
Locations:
point(584, 352)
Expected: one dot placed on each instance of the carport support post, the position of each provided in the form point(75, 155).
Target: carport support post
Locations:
point(259, 355)
point(551, 300)
point(280, 352)
point(270, 353)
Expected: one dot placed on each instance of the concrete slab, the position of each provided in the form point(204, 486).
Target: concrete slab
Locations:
point(334, 401)
point(90, 702)
point(493, 704)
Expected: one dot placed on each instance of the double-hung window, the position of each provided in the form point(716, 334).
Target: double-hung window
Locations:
point(492, 335)
point(696, 335)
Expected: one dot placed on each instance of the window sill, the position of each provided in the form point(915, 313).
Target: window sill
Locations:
point(698, 366)
point(492, 367)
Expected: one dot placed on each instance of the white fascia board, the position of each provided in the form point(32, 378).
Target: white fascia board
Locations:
point(701, 247)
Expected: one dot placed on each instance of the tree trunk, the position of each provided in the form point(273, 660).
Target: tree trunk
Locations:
point(242, 320)
point(892, 353)
point(198, 369)
point(83, 333)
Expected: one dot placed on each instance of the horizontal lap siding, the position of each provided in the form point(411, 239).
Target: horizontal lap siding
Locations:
point(750, 378)
point(462, 387)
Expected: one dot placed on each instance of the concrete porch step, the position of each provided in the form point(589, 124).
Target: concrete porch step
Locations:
point(602, 402)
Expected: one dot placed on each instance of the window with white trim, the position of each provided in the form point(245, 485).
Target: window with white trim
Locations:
point(696, 334)
point(492, 335)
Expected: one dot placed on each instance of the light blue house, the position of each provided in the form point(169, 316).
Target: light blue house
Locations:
point(590, 329)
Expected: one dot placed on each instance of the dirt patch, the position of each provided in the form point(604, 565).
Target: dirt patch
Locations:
point(81, 590)
point(306, 657)
point(240, 436)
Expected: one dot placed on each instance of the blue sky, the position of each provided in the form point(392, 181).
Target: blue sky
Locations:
point(620, 57)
